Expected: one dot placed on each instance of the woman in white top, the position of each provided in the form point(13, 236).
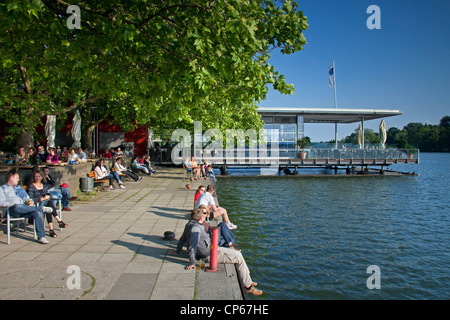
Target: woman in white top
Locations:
point(122, 170)
point(102, 173)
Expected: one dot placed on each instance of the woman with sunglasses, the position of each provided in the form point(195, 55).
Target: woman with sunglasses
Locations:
point(38, 191)
point(226, 237)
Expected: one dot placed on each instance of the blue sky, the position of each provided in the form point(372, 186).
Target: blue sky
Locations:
point(405, 65)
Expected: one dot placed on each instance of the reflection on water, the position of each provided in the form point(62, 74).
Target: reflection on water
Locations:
point(314, 237)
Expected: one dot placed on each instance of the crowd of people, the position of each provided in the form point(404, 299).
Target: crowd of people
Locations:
point(42, 194)
point(38, 195)
point(205, 169)
point(51, 156)
point(138, 164)
point(71, 156)
point(197, 235)
point(57, 155)
point(41, 198)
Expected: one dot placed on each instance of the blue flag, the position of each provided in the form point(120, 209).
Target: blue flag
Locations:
point(331, 78)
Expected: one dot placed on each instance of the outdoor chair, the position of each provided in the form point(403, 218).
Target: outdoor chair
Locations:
point(59, 207)
point(6, 216)
point(188, 172)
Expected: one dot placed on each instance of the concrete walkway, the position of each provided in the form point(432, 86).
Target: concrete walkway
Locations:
point(115, 243)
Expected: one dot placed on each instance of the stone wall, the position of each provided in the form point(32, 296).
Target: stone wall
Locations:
point(69, 174)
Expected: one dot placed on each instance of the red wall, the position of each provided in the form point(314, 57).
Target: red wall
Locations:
point(138, 136)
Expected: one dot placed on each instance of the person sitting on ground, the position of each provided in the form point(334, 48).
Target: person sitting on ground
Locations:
point(102, 173)
point(147, 164)
point(226, 237)
point(136, 165)
point(39, 193)
point(52, 157)
point(201, 189)
point(72, 157)
point(41, 155)
point(66, 195)
point(120, 169)
point(209, 172)
point(81, 155)
point(208, 200)
point(199, 248)
point(19, 203)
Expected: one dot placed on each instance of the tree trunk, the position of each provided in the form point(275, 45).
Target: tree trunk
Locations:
point(87, 130)
point(25, 139)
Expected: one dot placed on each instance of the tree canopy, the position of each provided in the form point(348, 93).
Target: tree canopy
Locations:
point(147, 62)
point(415, 135)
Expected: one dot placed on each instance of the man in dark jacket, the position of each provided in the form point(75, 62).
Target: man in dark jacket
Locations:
point(199, 241)
point(200, 247)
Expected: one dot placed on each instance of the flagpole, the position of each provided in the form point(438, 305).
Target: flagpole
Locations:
point(335, 104)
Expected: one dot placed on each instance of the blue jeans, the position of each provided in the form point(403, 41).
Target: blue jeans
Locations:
point(24, 211)
point(65, 196)
point(115, 175)
point(225, 235)
point(142, 168)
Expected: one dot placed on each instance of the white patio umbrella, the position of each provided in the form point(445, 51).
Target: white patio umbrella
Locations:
point(383, 135)
point(50, 130)
point(76, 130)
point(360, 136)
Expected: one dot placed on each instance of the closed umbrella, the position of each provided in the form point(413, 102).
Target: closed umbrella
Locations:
point(50, 130)
point(360, 136)
point(76, 130)
point(383, 135)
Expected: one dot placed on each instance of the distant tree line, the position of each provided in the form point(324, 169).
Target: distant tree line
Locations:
point(415, 135)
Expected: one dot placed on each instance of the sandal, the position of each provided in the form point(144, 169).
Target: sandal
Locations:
point(62, 224)
point(52, 233)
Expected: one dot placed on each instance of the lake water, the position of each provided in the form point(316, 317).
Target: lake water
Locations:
point(314, 237)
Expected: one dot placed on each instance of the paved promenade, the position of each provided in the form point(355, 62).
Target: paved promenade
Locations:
point(116, 241)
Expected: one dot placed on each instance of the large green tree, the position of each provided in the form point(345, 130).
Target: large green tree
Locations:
point(157, 63)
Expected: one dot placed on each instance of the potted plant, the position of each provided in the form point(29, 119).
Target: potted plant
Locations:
point(303, 143)
point(410, 152)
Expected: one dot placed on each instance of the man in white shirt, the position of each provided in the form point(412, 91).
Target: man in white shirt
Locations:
point(207, 199)
point(20, 205)
point(81, 155)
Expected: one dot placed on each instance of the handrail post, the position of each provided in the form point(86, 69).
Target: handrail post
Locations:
point(214, 250)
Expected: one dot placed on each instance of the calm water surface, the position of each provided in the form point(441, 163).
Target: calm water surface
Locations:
point(315, 237)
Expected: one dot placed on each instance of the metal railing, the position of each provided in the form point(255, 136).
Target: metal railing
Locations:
point(260, 155)
point(318, 153)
